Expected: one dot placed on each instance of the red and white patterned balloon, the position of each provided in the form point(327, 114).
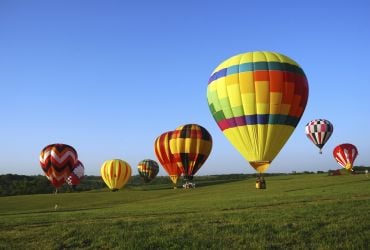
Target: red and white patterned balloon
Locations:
point(77, 174)
point(58, 161)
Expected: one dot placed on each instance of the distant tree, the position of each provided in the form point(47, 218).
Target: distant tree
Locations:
point(308, 172)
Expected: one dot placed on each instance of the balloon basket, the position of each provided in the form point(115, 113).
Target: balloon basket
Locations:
point(188, 185)
point(260, 183)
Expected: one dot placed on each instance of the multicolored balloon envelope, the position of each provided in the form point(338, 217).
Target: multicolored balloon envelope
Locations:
point(191, 145)
point(257, 100)
point(115, 173)
point(57, 161)
point(77, 174)
point(319, 132)
point(345, 154)
point(148, 170)
point(166, 157)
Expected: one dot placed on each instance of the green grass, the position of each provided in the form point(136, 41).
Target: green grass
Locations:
point(294, 212)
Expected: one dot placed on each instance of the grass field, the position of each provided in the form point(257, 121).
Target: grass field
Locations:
point(312, 211)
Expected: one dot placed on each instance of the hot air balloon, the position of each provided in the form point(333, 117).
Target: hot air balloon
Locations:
point(115, 173)
point(345, 154)
point(57, 161)
point(165, 156)
point(319, 132)
point(77, 174)
point(191, 145)
point(257, 100)
point(148, 170)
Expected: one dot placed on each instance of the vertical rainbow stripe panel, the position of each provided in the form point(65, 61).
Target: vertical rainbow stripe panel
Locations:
point(257, 99)
point(191, 145)
point(115, 173)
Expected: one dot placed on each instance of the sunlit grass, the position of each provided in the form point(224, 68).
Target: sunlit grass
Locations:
point(295, 211)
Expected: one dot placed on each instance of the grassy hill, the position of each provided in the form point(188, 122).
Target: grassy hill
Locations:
point(295, 211)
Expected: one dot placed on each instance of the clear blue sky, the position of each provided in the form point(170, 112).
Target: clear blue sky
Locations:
point(108, 77)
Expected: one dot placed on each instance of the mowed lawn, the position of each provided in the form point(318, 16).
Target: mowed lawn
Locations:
point(312, 211)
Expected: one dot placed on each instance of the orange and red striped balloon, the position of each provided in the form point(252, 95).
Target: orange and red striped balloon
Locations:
point(166, 157)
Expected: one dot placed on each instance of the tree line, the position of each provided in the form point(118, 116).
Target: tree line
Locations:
point(13, 184)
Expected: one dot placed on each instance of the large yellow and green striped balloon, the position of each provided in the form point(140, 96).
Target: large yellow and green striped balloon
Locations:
point(257, 100)
point(115, 173)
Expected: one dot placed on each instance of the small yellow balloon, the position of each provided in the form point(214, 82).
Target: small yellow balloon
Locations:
point(115, 173)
